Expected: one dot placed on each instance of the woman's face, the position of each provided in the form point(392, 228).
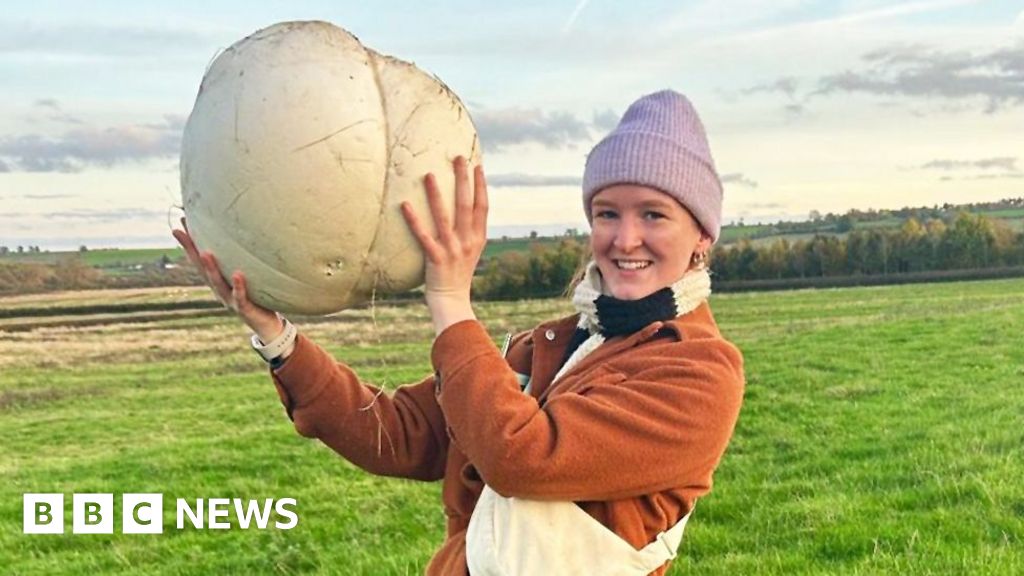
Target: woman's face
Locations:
point(643, 239)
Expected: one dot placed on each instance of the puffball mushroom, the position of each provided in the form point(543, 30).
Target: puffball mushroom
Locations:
point(300, 148)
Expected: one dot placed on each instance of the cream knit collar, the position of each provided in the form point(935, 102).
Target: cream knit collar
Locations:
point(689, 292)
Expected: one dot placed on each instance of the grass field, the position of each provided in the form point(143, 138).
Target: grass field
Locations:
point(102, 258)
point(881, 434)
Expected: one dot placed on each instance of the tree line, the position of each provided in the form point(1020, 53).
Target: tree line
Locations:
point(966, 242)
point(915, 248)
point(970, 241)
point(71, 273)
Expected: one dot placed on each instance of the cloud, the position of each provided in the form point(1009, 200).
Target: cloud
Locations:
point(4, 167)
point(738, 178)
point(998, 176)
point(56, 113)
point(1005, 163)
point(917, 72)
point(606, 121)
point(47, 196)
point(532, 180)
point(500, 128)
point(794, 109)
point(84, 147)
point(91, 216)
point(1005, 176)
point(786, 85)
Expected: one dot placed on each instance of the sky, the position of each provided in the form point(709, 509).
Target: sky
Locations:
point(808, 105)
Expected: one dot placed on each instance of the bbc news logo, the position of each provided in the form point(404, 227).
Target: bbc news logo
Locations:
point(144, 513)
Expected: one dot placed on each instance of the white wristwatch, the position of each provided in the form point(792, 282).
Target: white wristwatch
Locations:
point(283, 344)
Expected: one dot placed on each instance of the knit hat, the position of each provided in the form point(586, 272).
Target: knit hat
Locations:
point(659, 142)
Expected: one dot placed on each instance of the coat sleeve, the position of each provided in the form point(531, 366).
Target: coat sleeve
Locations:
point(402, 434)
point(619, 436)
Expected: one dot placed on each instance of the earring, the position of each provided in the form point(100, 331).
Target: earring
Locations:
point(699, 260)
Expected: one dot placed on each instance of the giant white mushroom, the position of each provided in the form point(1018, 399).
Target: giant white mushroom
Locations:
point(299, 150)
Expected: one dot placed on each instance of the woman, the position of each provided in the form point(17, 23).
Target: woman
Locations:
point(585, 447)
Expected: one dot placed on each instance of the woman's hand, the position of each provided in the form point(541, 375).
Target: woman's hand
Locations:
point(452, 254)
point(265, 323)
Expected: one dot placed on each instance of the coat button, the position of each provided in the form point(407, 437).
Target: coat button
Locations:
point(550, 335)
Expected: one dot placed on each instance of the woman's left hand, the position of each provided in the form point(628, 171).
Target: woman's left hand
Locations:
point(454, 251)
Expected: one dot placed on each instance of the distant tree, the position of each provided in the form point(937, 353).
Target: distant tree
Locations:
point(844, 223)
point(83, 248)
point(969, 242)
point(533, 234)
point(856, 253)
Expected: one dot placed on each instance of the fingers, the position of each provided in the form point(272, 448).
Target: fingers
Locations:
point(480, 205)
point(437, 210)
point(470, 212)
point(427, 242)
point(189, 246)
point(240, 291)
point(463, 197)
point(215, 279)
point(234, 295)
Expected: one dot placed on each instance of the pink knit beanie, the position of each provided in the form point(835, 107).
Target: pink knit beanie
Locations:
point(659, 142)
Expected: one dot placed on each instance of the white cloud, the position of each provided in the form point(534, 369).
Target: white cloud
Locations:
point(739, 179)
point(921, 73)
point(517, 179)
point(88, 146)
point(1005, 163)
point(501, 128)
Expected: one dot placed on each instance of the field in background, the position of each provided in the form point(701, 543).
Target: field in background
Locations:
point(880, 434)
point(121, 262)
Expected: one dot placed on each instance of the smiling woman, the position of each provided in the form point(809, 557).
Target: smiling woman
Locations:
point(642, 239)
point(583, 446)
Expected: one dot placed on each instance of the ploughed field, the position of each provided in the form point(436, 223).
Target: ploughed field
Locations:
point(882, 433)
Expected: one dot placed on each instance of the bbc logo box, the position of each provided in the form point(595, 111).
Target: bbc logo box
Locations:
point(93, 514)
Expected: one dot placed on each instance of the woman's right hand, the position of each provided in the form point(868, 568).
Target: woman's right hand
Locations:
point(267, 324)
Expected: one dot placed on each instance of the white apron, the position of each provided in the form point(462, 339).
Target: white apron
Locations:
point(514, 536)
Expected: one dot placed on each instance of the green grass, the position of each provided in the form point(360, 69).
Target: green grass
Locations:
point(496, 246)
point(1009, 213)
point(100, 258)
point(737, 232)
point(880, 434)
point(881, 223)
point(129, 257)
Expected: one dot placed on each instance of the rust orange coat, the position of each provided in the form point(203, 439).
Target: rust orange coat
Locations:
point(632, 433)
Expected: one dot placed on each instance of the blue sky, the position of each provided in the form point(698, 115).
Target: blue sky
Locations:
point(808, 105)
